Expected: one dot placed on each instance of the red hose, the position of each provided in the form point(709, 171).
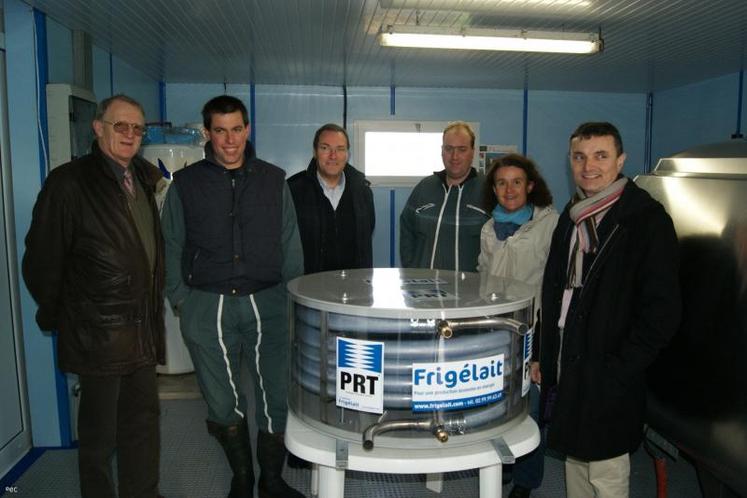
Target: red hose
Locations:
point(660, 466)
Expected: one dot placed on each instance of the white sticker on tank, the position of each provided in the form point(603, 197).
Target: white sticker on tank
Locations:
point(526, 380)
point(360, 375)
point(457, 385)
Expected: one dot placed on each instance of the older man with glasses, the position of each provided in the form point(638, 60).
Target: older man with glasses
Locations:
point(94, 264)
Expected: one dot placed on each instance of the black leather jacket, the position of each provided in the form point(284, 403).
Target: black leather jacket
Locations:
point(87, 269)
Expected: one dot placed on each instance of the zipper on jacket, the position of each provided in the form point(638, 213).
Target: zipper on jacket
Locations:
point(438, 225)
point(456, 233)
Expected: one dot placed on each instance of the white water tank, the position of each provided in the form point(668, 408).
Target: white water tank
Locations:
point(410, 357)
point(170, 158)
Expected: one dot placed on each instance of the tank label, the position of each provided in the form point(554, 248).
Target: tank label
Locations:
point(457, 385)
point(425, 295)
point(360, 375)
point(526, 381)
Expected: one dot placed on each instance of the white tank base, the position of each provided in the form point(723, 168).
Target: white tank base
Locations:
point(178, 360)
point(328, 475)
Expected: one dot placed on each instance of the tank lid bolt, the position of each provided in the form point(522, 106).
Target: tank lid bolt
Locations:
point(344, 297)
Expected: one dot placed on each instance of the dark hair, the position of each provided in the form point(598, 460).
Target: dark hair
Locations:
point(223, 104)
point(539, 196)
point(600, 129)
point(107, 102)
point(331, 127)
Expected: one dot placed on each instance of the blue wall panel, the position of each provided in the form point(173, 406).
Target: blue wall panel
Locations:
point(184, 101)
point(60, 50)
point(24, 147)
point(695, 114)
point(368, 103)
point(137, 85)
point(742, 115)
point(499, 112)
point(287, 118)
point(553, 116)
point(102, 83)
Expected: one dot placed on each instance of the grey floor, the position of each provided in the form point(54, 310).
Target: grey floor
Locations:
point(193, 466)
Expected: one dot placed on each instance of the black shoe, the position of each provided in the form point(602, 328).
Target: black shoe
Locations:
point(235, 442)
point(271, 456)
point(520, 492)
point(295, 462)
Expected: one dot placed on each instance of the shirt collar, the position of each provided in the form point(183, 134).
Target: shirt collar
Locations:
point(326, 188)
point(117, 168)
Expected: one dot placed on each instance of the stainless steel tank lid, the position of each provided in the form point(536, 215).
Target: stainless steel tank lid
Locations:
point(410, 293)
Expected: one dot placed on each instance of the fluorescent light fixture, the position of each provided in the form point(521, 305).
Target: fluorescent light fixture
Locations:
point(481, 5)
point(491, 39)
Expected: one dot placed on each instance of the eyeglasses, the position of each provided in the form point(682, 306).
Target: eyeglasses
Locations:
point(327, 149)
point(123, 127)
point(459, 149)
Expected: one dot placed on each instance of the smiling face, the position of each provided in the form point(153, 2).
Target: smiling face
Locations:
point(331, 155)
point(595, 163)
point(457, 153)
point(511, 187)
point(121, 147)
point(228, 135)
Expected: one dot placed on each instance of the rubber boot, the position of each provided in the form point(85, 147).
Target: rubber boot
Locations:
point(271, 455)
point(235, 442)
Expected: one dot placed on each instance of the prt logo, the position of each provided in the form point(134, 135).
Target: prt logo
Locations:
point(359, 366)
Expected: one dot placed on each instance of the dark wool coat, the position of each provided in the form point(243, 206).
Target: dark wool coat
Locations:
point(626, 311)
point(310, 203)
point(87, 269)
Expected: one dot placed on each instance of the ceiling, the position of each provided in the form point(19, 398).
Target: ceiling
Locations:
point(650, 45)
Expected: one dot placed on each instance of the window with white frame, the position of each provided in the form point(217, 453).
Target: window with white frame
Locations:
point(401, 153)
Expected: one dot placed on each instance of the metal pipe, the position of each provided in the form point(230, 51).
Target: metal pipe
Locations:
point(446, 328)
point(396, 425)
point(440, 429)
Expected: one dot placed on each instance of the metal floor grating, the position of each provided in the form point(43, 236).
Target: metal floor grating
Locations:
point(193, 466)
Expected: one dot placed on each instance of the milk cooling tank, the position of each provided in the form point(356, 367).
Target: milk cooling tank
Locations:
point(409, 358)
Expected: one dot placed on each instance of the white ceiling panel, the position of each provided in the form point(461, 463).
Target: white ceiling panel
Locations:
point(649, 44)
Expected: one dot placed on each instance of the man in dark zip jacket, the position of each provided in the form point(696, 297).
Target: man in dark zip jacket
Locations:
point(440, 225)
point(334, 206)
point(231, 246)
point(611, 301)
point(94, 264)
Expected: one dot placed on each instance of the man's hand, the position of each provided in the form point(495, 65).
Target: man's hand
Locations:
point(534, 372)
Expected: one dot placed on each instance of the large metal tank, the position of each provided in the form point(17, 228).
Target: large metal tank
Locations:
point(410, 358)
point(698, 385)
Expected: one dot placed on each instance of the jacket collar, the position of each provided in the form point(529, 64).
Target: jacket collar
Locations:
point(145, 172)
point(442, 175)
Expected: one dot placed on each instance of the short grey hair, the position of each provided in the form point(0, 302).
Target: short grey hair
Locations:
point(104, 105)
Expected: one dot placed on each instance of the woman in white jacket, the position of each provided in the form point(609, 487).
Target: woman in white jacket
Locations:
point(514, 243)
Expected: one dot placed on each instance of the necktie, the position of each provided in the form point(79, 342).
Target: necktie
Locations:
point(128, 183)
